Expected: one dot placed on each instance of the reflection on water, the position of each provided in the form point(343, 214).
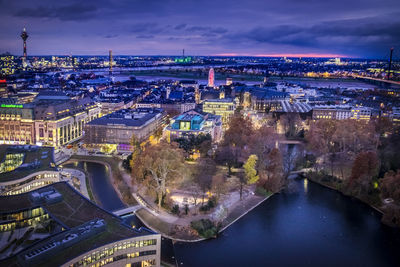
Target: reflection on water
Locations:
point(314, 226)
point(305, 185)
point(100, 184)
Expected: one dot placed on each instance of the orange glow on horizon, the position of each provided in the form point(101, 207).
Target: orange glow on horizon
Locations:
point(281, 55)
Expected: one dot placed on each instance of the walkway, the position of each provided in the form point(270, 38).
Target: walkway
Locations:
point(128, 210)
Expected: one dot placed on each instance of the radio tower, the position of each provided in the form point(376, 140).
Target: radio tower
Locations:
point(110, 61)
point(390, 63)
point(24, 36)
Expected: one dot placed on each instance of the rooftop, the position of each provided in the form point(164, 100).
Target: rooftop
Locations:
point(26, 159)
point(128, 117)
point(73, 212)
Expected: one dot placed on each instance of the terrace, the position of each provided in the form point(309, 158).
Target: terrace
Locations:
point(35, 159)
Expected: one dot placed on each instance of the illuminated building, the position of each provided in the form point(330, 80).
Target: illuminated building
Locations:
point(25, 168)
point(76, 237)
point(341, 112)
point(116, 129)
point(3, 88)
point(52, 119)
point(211, 78)
point(7, 64)
point(221, 107)
point(60, 121)
point(194, 123)
point(259, 99)
point(16, 124)
point(331, 112)
point(168, 106)
point(361, 113)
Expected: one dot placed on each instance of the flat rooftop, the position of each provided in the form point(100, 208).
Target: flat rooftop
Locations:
point(34, 159)
point(72, 211)
point(128, 117)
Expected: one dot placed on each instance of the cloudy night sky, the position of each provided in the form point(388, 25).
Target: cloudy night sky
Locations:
point(354, 28)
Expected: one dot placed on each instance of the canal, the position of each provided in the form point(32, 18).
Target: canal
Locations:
point(108, 199)
point(310, 226)
point(100, 184)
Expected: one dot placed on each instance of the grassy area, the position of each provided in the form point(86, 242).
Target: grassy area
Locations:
point(89, 188)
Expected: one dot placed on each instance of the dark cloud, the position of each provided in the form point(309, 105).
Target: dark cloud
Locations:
point(351, 27)
point(367, 34)
point(180, 26)
point(67, 12)
point(143, 36)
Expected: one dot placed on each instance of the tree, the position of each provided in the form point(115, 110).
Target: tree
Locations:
point(204, 173)
point(390, 186)
point(218, 184)
point(365, 169)
point(250, 169)
point(201, 142)
point(225, 155)
point(291, 123)
point(163, 164)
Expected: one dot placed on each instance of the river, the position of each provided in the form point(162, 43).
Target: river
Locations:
point(310, 226)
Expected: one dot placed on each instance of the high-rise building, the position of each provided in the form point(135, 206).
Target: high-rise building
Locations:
point(24, 36)
point(211, 78)
point(111, 61)
point(7, 64)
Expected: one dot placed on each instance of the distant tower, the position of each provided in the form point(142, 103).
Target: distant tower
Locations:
point(110, 61)
point(390, 63)
point(24, 36)
point(211, 78)
point(183, 53)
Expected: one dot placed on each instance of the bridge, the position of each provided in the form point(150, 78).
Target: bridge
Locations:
point(376, 80)
point(127, 211)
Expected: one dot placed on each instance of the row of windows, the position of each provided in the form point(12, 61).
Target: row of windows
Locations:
point(145, 263)
point(106, 252)
point(36, 177)
point(28, 188)
point(23, 223)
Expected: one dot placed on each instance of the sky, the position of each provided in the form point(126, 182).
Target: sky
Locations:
point(343, 28)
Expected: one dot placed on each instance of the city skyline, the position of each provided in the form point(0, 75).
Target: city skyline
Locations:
point(359, 29)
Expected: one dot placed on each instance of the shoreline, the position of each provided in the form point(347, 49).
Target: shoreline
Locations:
point(246, 212)
point(339, 191)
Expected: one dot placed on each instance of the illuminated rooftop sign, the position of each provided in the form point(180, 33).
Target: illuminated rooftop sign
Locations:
point(11, 106)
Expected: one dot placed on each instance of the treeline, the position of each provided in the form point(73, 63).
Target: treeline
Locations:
point(359, 158)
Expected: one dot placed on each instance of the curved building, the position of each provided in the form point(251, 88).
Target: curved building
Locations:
point(24, 168)
point(57, 226)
